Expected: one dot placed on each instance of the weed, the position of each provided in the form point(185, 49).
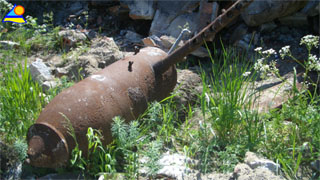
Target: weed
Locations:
point(20, 102)
point(152, 153)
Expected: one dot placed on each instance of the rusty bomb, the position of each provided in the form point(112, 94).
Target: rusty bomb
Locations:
point(124, 89)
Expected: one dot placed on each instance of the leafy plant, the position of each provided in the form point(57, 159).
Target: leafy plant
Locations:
point(99, 160)
point(127, 141)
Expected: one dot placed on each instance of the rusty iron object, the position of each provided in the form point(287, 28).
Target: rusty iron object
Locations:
point(122, 89)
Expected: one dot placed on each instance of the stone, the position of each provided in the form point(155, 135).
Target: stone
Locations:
point(48, 85)
point(170, 15)
point(312, 8)
point(72, 37)
point(10, 165)
point(133, 37)
point(59, 72)
point(91, 34)
point(106, 176)
point(168, 41)
point(102, 52)
point(254, 162)
point(69, 175)
point(244, 172)
point(243, 45)
point(273, 93)
point(149, 42)
point(140, 9)
point(216, 176)
point(174, 165)
point(267, 27)
point(39, 71)
point(189, 85)
point(215, 10)
point(9, 44)
point(241, 169)
point(238, 33)
point(295, 20)
point(201, 52)
point(315, 165)
point(106, 50)
point(153, 41)
point(259, 12)
point(56, 61)
point(205, 13)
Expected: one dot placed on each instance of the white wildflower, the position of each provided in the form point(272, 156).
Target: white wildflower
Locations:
point(269, 52)
point(258, 49)
point(246, 74)
point(284, 51)
point(310, 41)
point(314, 62)
point(265, 68)
point(257, 66)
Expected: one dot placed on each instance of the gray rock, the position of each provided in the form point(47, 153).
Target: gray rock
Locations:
point(174, 165)
point(238, 33)
point(295, 20)
point(141, 9)
point(59, 72)
point(48, 85)
point(103, 52)
point(172, 14)
point(259, 12)
point(39, 71)
point(9, 44)
point(90, 34)
point(75, 6)
point(254, 162)
point(273, 92)
point(168, 41)
point(10, 164)
point(243, 45)
point(133, 37)
point(244, 172)
point(215, 10)
point(241, 170)
point(189, 85)
point(71, 37)
point(208, 11)
point(107, 176)
point(267, 27)
point(312, 8)
point(63, 176)
point(216, 176)
point(153, 41)
point(315, 165)
point(56, 61)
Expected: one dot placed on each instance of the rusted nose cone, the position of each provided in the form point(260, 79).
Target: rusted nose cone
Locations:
point(46, 147)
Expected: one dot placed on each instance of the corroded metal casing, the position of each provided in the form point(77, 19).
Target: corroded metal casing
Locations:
point(122, 89)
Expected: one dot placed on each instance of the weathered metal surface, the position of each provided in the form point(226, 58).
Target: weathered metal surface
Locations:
point(124, 88)
point(94, 101)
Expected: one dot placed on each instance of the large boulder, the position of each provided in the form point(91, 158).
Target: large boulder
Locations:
point(41, 73)
point(259, 12)
point(140, 9)
point(170, 15)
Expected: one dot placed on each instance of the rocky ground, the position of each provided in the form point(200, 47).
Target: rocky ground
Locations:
point(97, 33)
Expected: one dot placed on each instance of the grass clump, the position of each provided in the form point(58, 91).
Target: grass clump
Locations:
point(21, 101)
